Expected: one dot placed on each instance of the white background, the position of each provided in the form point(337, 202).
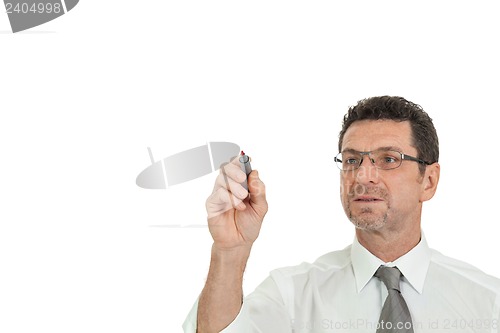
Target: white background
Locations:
point(83, 249)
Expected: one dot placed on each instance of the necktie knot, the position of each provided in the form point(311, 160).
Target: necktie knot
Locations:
point(390, 276)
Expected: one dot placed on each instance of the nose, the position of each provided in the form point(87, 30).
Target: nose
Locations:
point(367, 172)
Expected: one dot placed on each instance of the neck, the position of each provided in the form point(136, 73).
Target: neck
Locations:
point(389, 245)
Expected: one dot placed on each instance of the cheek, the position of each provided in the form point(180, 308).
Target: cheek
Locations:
point(345, 187)
point(404, 196)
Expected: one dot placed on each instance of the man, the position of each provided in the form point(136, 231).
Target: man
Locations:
point(388, 280)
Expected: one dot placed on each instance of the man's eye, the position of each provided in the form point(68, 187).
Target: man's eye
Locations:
point(389, 159)
point(351, 161)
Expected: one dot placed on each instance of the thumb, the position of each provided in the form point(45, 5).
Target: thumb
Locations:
point(257, 191)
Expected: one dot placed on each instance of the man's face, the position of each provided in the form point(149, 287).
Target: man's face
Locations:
point(374, 199)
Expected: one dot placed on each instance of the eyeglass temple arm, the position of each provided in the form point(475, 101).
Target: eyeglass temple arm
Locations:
point(411, 158)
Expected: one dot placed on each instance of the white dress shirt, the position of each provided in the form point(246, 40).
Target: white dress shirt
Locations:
point(338, 293)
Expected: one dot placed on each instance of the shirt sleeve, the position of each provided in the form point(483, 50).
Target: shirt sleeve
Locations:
point(189, 325)
point(263, 311)
point(496, 317)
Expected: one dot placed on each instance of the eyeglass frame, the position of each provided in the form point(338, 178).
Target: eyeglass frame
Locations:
point(367, 153)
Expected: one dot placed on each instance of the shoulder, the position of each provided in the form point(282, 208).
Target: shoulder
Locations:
point(329, 262)
point(293, 281)
point(460, 270)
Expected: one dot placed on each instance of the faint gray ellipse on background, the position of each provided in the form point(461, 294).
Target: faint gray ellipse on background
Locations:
point(187, 165)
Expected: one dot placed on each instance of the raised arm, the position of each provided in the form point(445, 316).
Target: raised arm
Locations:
point(234, 220)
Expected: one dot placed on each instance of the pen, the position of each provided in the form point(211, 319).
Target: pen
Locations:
point(245, 167)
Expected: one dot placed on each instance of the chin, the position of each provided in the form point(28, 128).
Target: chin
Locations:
point(368, 222)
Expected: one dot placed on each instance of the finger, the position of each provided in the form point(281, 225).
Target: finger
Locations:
point(258, 191)
point(229, 184)
point(234, 171)
point(221, 201)
point(233, 185)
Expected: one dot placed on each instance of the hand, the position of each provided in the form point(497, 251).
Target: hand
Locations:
point(234, 216)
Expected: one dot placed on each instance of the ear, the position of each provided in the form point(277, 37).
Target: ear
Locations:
point(430, 181)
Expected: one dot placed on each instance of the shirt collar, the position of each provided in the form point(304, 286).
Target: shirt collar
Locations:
point(413, 265)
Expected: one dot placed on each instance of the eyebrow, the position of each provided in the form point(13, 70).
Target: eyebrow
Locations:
point(385, 148)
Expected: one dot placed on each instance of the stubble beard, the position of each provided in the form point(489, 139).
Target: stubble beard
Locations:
point(366, 220)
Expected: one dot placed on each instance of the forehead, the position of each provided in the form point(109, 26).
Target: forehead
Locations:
point(368, 135)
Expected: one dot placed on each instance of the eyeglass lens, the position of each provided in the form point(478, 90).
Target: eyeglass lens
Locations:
point(382, 159)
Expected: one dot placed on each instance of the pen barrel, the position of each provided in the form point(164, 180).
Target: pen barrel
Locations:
point(246, 168)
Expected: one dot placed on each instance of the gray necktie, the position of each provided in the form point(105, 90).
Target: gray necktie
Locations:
point(395, 316)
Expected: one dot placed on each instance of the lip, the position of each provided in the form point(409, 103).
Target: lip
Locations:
point(367, 199)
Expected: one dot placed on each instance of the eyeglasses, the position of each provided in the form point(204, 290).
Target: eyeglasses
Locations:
point(384, 159)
